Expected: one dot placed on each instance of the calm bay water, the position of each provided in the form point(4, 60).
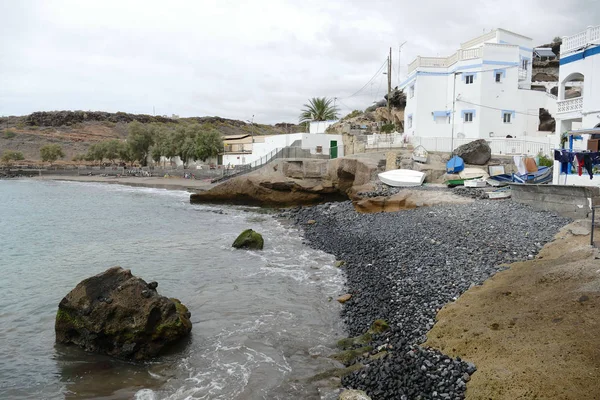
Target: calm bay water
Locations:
point(261, 319)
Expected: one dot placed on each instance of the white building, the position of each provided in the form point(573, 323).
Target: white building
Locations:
point(579, 70)
point(481, 91)
point(243, 149)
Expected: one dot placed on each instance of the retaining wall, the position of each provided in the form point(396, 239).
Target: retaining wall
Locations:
point(569, 201)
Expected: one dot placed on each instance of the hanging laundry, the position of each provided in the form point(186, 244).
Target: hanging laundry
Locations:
point(520, 164)
point(587, 162)
point(579, 161)
point(530, 165)
point(564, 157)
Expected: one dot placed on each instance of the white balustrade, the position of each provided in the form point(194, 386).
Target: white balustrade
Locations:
point(565, 106)
point(580, 40)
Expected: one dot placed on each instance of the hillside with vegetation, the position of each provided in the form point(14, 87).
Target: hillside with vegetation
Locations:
point(81, 134)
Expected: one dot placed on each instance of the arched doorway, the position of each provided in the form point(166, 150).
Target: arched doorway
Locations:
point(571, 87)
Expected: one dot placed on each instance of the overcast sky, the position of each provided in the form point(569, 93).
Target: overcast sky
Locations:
point(239, 58)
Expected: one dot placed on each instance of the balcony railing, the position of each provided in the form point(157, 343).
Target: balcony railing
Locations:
point(565, 106)
point(444, 62)
point(580, 40)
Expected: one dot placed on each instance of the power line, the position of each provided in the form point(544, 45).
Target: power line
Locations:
point(495, 108)
point(369, 81)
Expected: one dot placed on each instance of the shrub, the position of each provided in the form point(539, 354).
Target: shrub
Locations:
point(388, 128)
point(545, 161)
point(9, 134)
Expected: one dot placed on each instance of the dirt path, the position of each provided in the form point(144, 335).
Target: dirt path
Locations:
point(534, 330)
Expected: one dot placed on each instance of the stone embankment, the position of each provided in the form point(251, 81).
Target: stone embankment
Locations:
point(404, 267)
point(293, 182)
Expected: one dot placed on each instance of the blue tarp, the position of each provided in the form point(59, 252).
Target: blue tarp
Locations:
point(455, 165)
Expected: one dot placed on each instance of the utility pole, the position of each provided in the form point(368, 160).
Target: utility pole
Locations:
point(453, 109)
point(389, 74)
point(399, 63)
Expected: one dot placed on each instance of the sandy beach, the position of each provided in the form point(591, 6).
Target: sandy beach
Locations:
point(191, 185)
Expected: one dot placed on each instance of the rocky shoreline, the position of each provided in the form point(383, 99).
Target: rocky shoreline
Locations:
point(403, 267)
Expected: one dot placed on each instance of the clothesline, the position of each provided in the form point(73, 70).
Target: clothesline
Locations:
point(582, 158)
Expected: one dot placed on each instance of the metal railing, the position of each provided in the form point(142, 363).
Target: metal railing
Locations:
point(284, 152)
point(499, 146)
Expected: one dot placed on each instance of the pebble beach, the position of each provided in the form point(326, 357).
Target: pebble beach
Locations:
point(404, 266)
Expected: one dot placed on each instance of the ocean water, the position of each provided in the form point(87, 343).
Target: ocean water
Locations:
point(262, 320)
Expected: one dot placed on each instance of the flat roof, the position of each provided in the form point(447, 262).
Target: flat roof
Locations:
point(233, 137)
point(544, 52)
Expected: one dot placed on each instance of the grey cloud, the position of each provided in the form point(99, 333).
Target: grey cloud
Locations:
point(236, 59)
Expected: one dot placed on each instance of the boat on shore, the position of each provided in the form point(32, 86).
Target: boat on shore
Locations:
point(542, 175)
point(499, 194)
point(476, 183)
point(420, 154)
point(455, 165)
point(402, 177)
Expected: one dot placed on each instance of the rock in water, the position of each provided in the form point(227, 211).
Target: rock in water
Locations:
point(477, 152)
point(115, 313)
point(249, 240)
point(353, 395)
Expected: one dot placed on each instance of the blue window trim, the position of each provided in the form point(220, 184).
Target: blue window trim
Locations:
point(500, 71)
point(437, 114)
point(411, 78)
point(465, 74)
point(463, 112)
point(511, 112)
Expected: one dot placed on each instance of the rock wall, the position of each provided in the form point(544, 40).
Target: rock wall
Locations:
point(286, 183)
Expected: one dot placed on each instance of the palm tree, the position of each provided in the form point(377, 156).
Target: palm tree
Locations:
point(318, 109)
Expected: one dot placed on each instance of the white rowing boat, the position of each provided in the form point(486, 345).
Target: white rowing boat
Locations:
point(476, 183)
point(402, 177)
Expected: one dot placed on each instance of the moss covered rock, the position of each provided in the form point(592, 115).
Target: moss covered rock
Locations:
point(377, 327)
point(118, 314)
point(249, 239)
point(348, 356)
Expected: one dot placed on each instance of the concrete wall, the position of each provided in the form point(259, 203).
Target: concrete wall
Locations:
point(320, 126)
point(569, 201)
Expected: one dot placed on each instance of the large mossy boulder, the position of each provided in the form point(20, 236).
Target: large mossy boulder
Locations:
point(118, 314)
point(477, 152)
point(249, 240)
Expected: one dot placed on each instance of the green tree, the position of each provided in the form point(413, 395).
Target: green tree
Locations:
point(187, 149)
point(9, 156)
point(140, 139)
point(318, 109)
point(51, 153)
point(125, 154)
point(95, 152)
point(208, 144)
point(111, 149)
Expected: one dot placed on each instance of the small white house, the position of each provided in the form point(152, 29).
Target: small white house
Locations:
point(483, 90)
point(579, 74)
point(260, 148)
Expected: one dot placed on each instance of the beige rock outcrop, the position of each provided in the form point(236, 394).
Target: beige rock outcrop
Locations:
point(292, 182)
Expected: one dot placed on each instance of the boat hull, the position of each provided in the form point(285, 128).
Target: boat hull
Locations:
point(402, 178)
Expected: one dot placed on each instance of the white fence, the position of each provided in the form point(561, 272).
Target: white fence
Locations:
point(575, 42)
point(499, 146)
